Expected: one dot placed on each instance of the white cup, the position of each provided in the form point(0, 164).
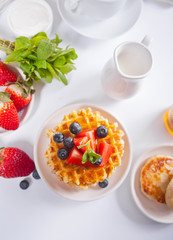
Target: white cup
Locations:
point(97, 9)
point(124, 73)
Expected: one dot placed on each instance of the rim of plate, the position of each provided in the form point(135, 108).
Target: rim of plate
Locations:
point(136, 194)
point(86, 34)
point(76, 107)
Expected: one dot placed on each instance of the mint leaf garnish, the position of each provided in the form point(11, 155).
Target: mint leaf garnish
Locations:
point(89, 154)
point(40, 57)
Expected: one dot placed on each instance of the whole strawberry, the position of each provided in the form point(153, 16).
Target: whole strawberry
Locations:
point(21, 94)
point(6, 74)
point(9, 119)
point(15, 163)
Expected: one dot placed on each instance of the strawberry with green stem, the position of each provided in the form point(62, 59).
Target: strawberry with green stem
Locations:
point(20, 94)
point(15, 163)
point(9, 119)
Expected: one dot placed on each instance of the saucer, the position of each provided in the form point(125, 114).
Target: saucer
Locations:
point(155, 211)
point(59, 187)
point(105, 29)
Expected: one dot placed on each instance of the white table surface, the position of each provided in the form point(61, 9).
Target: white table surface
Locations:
point(38, 213)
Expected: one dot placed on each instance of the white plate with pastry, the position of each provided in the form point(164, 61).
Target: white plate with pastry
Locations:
point(150, 177)
point(43, 145)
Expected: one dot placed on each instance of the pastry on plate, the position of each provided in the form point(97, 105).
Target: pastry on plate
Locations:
point(169, 195)
point(85, 148)
point(155, 176)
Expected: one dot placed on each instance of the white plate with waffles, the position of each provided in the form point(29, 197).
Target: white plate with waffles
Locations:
point(60, 187)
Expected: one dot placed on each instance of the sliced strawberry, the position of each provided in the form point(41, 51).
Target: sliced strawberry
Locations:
point(6, 74)
point(75, 157)
point(78, 141)
point(20, 94)
point(91, 134)
point(15, 163)
point(105, 150)
point(9, 119)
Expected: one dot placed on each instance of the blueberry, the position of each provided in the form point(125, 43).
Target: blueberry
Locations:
point(68, 142)
point(75, 128)
point(103, 184)
point(24, 184)
point(62, 153)
point(102, 131)
point(35, 174)
point(58, 137)
point(98, 161)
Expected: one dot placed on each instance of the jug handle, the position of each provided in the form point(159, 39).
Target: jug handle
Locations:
point(146, 40)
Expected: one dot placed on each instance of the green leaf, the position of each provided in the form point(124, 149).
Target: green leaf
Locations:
point(60, 61)
point(85, 157)
point(15, 56)
point(46, 75)
point(45, 49)
point(69, 52)
point(22, 43)
point(57, 40)
point(41, 64)
point(25, 67)
point(43, 34)
point(36, 40)
point(32, 57)
point(52, 71)
point(62, 77)
point(67, 68)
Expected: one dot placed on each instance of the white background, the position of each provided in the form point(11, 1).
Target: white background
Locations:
point(38, 213)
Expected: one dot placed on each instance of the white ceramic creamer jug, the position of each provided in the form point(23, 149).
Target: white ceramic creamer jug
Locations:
point(123, 74)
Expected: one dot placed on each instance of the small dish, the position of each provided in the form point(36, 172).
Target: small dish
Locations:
point(104, 29)
point(156, 211)
point(24, 113)
point(22, 20)
point(42, 142)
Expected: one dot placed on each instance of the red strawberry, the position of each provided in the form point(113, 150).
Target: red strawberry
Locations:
point(8, 113)
point(6, 74)
point(78, 141)
point(20, 94)
point(15, 163)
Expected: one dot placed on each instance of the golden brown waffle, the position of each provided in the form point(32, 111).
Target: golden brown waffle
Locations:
point(84, 176)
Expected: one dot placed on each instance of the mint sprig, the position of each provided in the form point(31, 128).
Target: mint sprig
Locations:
point(40, 57)
point(89, 154)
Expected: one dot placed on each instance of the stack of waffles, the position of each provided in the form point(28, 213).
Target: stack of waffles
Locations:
point(83, 177)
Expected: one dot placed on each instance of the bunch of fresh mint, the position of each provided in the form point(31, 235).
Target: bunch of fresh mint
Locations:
point(40, 58)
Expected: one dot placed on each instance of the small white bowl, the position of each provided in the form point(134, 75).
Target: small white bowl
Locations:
point(24, 113)
point(59, 187)
point(28, 19)
point(155, 211)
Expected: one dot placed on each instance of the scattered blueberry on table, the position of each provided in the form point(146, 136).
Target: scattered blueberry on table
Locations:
point(24, 184)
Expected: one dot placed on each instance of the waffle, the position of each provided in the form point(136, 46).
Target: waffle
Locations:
point(84, 176)
point(155, 176)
